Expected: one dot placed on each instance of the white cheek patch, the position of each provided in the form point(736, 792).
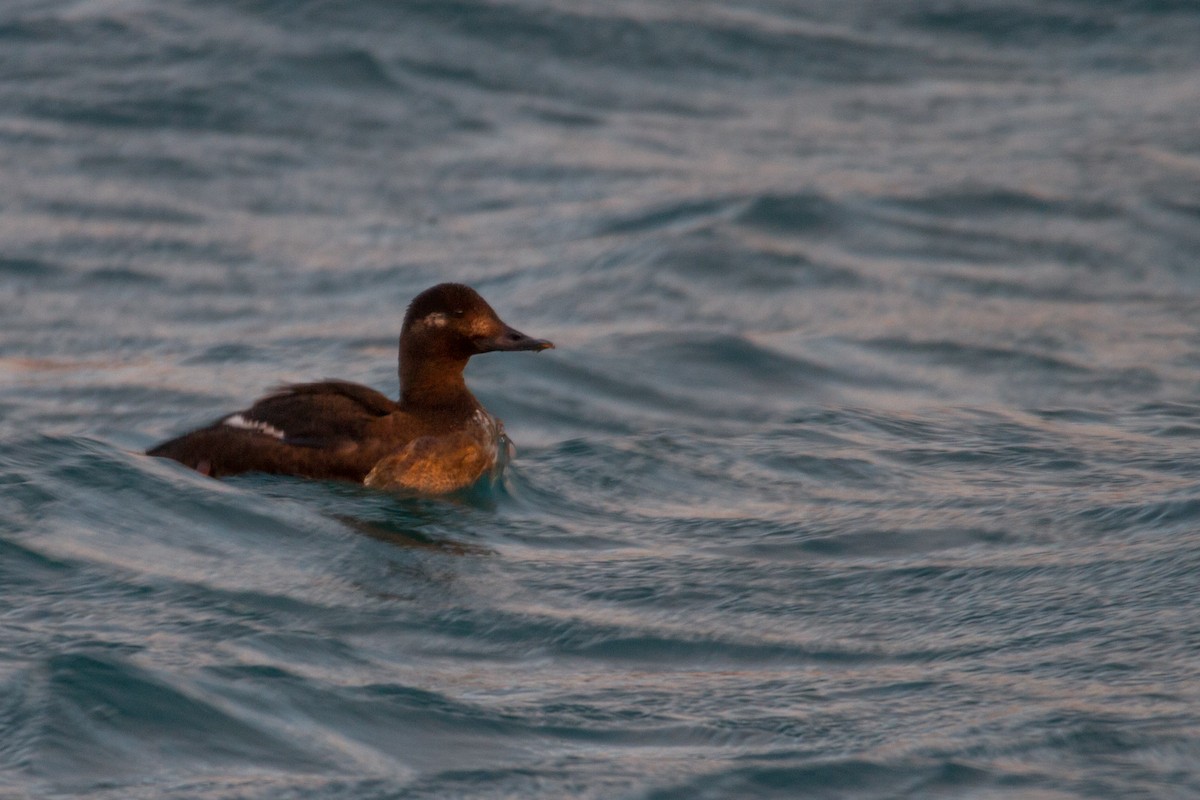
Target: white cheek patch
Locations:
point(435, 320)
point(238, 421)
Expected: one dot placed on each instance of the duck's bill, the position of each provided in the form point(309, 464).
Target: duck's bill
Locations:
point(512, 340)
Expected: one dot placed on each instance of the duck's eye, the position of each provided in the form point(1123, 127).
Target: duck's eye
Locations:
point(458, 313)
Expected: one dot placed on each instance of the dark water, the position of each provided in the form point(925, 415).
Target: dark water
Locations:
point(867, 465)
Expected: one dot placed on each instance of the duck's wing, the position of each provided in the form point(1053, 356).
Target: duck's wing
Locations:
point(312, 429)
point(325, 414)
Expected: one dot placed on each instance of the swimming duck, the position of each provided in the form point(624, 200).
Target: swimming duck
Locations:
point(437, 438)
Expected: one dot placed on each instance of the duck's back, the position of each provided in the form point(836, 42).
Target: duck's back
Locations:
point(316, 430)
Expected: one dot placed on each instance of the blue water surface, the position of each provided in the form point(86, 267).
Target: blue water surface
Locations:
point(867, 466)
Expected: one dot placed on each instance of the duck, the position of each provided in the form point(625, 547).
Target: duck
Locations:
point(436, 438)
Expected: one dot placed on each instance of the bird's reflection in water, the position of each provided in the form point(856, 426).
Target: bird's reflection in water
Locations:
point(419, 522)
point(405, 534)
point(406, 520)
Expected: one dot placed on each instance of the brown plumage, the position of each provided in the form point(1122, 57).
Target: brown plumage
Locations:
point(436, 438)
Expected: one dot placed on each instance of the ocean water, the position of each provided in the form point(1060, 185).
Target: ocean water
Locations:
point(867, 466)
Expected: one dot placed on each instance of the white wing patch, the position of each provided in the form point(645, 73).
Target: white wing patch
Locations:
point(489, 432)
point(238, 421)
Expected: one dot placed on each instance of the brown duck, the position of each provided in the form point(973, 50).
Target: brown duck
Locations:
point(438, 438)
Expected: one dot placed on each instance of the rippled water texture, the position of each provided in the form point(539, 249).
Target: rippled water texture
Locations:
point(866, 466)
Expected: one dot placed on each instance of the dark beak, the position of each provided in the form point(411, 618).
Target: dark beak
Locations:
point(511, 340)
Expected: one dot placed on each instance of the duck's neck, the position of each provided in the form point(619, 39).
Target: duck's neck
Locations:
point(436, 382)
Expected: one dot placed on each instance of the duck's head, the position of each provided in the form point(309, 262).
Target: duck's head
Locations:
point(451, 320)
